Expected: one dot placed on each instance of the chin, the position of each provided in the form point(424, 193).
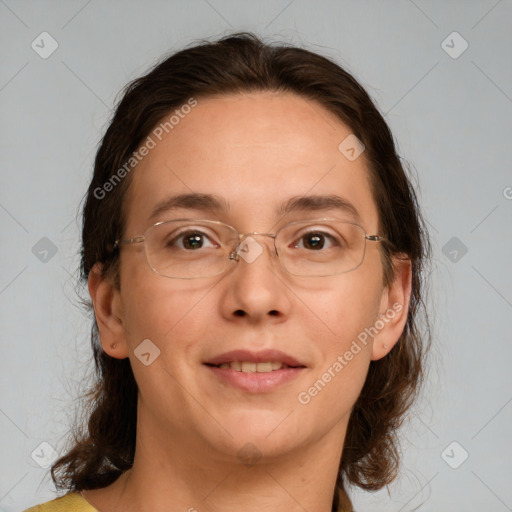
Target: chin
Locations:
point(260, 434)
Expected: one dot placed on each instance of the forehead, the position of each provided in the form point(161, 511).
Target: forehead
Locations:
point(255, 150)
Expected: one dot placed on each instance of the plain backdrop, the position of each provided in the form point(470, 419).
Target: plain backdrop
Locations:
point(441, 73)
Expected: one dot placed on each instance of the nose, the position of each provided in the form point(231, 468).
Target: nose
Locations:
point(255, 289)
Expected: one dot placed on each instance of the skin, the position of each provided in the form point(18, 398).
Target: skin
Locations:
point(256, 151)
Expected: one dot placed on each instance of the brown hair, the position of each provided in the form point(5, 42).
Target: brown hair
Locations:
point(239, 63)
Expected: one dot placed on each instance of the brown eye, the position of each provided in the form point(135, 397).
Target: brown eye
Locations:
point(191, 241)
point(316, 241)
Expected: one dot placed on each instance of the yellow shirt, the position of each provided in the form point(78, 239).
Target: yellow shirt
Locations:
point(72, 502)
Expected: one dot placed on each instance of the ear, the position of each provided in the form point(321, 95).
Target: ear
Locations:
point(108, 311)
point(394, 308)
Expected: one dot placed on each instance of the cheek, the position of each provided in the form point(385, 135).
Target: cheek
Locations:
point(336, 381)
point(344, 347)
point(347, 307)
point(170, 317)
point(159, 308)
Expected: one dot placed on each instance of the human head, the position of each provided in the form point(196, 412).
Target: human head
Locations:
point(243, 64)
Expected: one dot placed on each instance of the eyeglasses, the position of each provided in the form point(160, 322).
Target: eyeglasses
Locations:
point(190, 248)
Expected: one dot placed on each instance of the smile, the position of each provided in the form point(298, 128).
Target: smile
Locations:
point(250, 367)
point(254, 372)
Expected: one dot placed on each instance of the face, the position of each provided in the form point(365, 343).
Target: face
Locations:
point(255, 152)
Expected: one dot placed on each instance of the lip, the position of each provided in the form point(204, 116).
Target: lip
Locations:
point(255, 382)
point(255, 357)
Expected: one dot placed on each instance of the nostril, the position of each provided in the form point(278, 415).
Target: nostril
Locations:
point(273, 312)
point(239, 312)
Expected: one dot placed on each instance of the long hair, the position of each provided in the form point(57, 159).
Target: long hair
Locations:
point(238, 63)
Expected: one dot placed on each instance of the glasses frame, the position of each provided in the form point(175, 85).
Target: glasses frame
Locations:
point(234, 255)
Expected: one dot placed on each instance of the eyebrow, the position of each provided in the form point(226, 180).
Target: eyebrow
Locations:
point(217, 204)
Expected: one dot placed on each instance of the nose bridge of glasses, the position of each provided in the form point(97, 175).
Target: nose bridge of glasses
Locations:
point(248, 247)
point(243, 236)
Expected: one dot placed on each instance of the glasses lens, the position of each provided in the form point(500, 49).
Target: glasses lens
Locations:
point(189, 249)
point(321, 248)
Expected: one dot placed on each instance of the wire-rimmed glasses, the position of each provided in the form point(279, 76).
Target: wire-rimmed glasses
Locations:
point(191, 248)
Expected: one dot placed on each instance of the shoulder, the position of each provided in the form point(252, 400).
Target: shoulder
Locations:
point(72, 502)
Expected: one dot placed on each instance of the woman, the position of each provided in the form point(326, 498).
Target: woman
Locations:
point(253, 251)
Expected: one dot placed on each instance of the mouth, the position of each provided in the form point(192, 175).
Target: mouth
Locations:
point(249, 362)
point(255, 372)
point(250, 367)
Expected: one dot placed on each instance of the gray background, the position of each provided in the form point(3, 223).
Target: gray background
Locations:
point(451, 118)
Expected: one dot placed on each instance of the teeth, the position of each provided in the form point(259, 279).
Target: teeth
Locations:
point(248, 367)
point(264, 367)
